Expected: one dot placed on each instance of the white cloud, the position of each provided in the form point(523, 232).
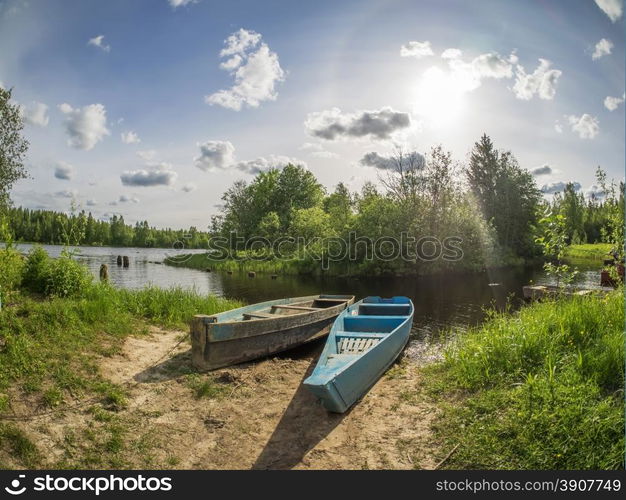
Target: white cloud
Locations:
point(468, 76)
point(317, 150)
point(594, 192)
point(158, 175)
point(215, 155)
point(189, 187)
point(612, 103)
point(263, 164)
point(492, 65)
point(380, 162)
point(451, 54)
point(255, 68)
point(311, 146)
point(558, 187)
point(603, 48)
point(66, 193)
point(542, 170)
point(98, 41)
point(333, 124)
point(63, 171)
point(324, 154)
point(85, 126)
point(542, 81)
point(586, 126)
point(180, 3)
point(416, 49)
point(128, 199)
point(35, 113)
point(130, 137)
point(147, 154)
point(240, 42)
point(612, 8)
point(558, 127)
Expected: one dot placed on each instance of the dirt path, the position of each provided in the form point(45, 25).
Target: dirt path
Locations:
point(259, 415)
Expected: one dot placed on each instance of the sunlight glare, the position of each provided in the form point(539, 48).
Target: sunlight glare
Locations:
point(439, 96)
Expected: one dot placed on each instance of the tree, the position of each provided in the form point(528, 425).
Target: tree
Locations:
point(13, 147)
point(482, 173)
point(339, 206)
point(506, 194)
point(404, 180)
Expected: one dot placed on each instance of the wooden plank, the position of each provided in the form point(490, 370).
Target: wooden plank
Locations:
point(297, 308)
point(258, 315)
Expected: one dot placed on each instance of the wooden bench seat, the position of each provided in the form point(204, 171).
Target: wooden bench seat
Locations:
point(258, 315)
point(297, 308)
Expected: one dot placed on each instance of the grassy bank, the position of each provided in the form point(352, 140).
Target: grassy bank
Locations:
point(306, 266)
point(203, 262)
point(541, 390)
point(50, 350)
point(590, 251)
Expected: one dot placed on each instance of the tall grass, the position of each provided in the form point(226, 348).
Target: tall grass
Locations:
point(542, 389)
point(591, 251)
point(49, 348)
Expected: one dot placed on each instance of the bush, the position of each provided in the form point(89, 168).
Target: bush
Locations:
point(11, 265)
point(36, 270)
point(66, 277)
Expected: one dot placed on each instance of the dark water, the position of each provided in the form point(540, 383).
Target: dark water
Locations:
point(440, 301)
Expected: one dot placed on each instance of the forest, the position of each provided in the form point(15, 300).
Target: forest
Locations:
point(59, 228)
point(492, 205)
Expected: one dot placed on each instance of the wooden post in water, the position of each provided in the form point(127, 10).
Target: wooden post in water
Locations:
point(126, 261)
point(104, 273)
point(274, 276)
point(119, 260)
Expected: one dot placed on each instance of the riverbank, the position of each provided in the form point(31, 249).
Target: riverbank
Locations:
point(543, 389)
point(105, 381)
point(100, 382)
point(295, 266)
point(589, 251)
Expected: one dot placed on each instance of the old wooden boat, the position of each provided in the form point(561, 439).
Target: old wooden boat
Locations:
point(363, 342)
point(262, 329)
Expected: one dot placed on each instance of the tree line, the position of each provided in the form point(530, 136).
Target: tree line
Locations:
point(49, 227)
point(492, 204)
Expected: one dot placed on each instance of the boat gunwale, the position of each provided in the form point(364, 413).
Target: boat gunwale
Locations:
point(345, 302)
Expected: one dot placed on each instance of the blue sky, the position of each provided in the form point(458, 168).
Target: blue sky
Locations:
point(321, 83)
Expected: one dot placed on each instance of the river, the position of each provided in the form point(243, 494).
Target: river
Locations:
point(440, 301)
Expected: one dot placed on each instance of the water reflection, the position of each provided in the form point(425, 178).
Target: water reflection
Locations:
point(440, 301)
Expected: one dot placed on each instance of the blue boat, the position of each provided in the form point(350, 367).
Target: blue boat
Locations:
point(363, 342)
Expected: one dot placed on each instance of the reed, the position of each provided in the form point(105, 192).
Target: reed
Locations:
point(541, 389)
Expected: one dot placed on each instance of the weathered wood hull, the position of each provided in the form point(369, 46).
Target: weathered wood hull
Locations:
point(224, 339)
point(364, 341)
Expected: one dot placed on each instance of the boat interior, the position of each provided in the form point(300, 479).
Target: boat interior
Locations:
point(367, 323)
point(321, 302)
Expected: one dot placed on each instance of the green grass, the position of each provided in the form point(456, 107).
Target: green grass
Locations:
point(592, 251)
point(203, 262)
point(540, 390)
point(50, 348)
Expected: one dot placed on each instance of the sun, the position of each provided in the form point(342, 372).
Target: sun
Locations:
point(440, 97)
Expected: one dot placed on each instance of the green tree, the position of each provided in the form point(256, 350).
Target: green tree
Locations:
point(13, 147)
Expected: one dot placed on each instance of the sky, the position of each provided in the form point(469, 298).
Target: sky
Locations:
point(152, 108)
